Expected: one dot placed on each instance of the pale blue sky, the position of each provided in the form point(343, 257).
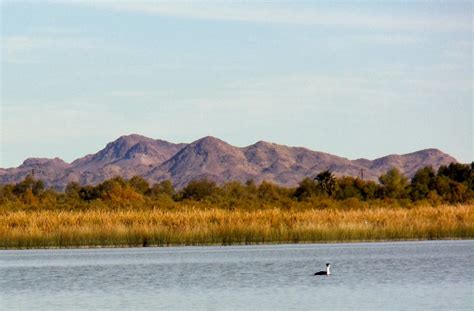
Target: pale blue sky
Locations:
point(365, 79)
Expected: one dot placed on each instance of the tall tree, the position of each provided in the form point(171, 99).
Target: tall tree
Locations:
point(199, 190)
point(139, 184)
point(165, 187)
point(394, 184)
point(326, 182)
point(422, 183)
point(306, 189)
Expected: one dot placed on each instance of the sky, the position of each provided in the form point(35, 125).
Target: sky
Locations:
point(360, 80)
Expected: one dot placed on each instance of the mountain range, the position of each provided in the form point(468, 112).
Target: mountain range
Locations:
point(213, 159)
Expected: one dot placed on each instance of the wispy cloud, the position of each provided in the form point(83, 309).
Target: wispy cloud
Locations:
point(44, 118)
point(388, 39)
point(24, 48)
point(267, 13)
point(15, 47)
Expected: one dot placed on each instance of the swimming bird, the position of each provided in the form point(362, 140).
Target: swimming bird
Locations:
point(327, 272)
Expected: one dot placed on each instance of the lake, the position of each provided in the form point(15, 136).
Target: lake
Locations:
point(428, 275)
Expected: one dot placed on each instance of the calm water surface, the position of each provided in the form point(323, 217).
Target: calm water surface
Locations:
point(434, 275)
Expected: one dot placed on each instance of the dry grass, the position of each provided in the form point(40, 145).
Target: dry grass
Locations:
point(189, 226)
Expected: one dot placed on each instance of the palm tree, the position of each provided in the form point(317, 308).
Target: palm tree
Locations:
point(326, 182)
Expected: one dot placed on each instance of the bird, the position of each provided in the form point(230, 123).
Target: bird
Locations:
point(327, 272)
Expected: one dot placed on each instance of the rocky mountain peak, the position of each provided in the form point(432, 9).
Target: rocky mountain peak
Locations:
point(212, 158)
point(32, 162)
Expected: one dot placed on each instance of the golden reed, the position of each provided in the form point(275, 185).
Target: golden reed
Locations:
point(196, 226)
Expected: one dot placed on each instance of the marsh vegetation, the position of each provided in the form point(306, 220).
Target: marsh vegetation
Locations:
point(118, 212)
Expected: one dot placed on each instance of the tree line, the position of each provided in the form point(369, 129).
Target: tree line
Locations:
point(453, 183)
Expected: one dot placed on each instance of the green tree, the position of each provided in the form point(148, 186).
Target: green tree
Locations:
point(89, 193)
point(235, 194)
point(456, 171)
point(165, 187)
point(369, 189)
point(348, 187)
point(234, 190)
point(461, 173)
point(251, 187)
point(459, 192)
point(394, 184)
point(351, 187)
point(450, 190)
point(6, 193)
point(20, 188)
point(110, 184)
point(268, 192)
point(38, 187)
point(199, 190)
point(72, 190)
point(422, 183)
point(306, 189)
point(326, 182)
point(28, 188)
point(139, 184)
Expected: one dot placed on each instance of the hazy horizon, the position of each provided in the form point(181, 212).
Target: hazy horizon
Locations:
point(353, 80)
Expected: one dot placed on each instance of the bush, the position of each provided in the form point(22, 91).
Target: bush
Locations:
point(199, 190)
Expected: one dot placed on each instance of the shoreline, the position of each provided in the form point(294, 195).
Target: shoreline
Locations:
point(92, 247)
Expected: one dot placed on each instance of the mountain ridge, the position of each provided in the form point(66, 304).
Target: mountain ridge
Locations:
point(212, 158)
